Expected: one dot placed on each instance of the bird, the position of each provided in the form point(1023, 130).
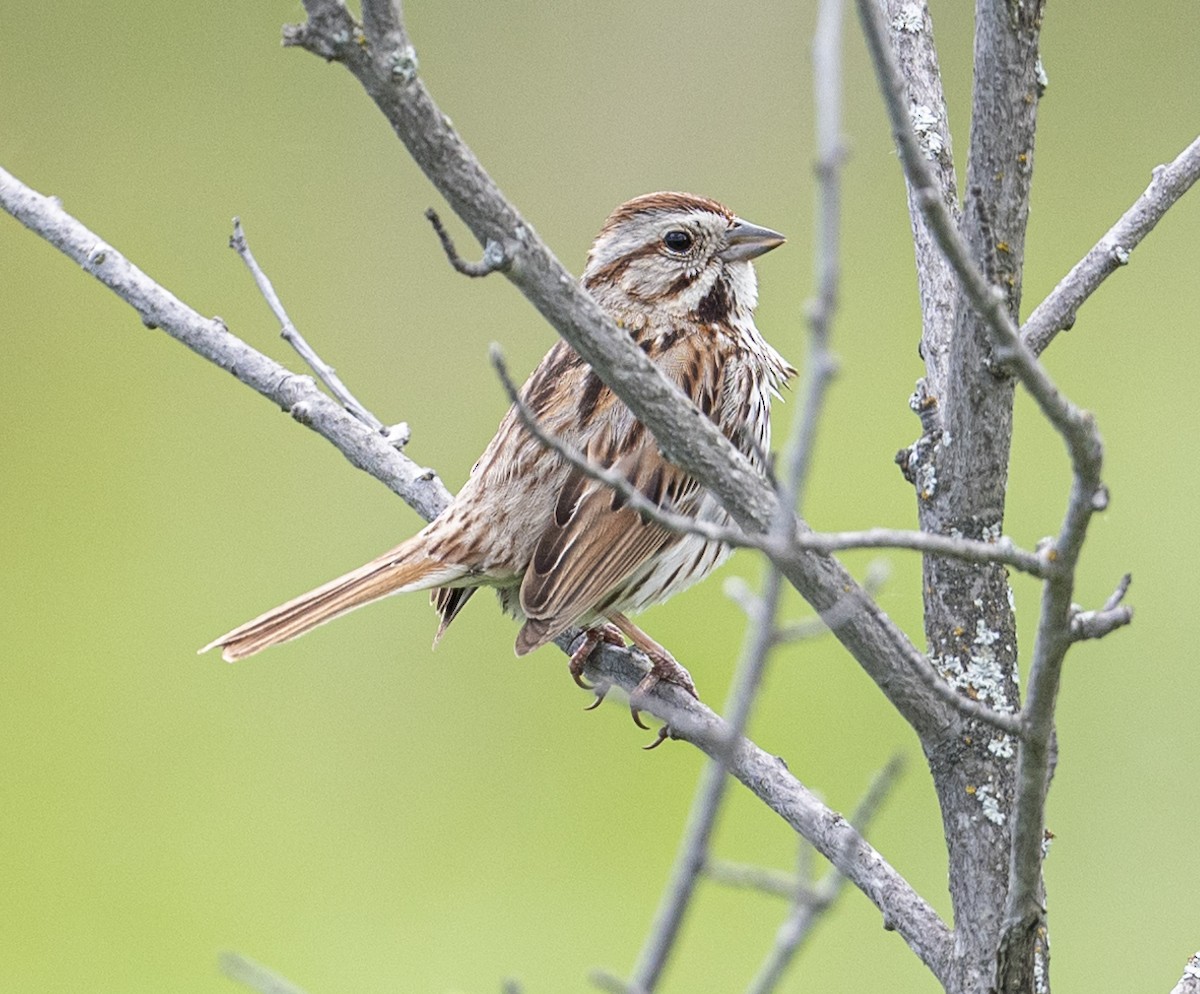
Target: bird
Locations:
point(563, 550)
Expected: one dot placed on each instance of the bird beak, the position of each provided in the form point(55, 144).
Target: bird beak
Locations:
point(744, 241)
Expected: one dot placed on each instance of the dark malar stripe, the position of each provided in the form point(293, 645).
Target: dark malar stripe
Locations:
point(716, 304)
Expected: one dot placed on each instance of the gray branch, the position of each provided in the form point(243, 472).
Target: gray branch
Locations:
point(1110, 617)
point(910, 29)
point(770, 780)
point(254, 975)
point(1021, 935)
point(495, 259)
point(809, 904)
point(764, 879)
point(1057, 312)
point(289, 333)
point(208, 337)
point(760, 636)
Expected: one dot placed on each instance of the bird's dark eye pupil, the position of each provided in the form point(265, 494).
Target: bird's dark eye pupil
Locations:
point(677, 241)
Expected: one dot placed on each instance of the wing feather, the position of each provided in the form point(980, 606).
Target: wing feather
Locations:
point(595, 543)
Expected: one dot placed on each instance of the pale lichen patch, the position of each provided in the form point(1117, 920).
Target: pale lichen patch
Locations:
point(908, 19)
point(1002, 747)
point(990, 805)
point(929, 135)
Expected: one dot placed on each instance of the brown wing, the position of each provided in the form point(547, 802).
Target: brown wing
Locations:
point(596, 542)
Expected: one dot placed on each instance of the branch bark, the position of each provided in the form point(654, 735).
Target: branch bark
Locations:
point(969, 620)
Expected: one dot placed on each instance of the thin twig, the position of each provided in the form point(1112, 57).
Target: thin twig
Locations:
point(495, 258)
point(606, 980)
point(1004, 721)
point(910, 27)
point(831, 153)
point(255, 976)
point(760, 639)
point(210, 338)
point(289, 333)
point(810, 905)
point(1057, 312)
point(878, 571)
point(706, 803)
point(1040, 564)
point(764, 879)
point(1113, 615)
point(829, 833)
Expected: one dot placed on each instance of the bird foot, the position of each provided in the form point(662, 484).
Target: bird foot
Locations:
point(592, 637)
point(663, 668)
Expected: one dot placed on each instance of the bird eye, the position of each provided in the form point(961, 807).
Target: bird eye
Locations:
point(677, 241)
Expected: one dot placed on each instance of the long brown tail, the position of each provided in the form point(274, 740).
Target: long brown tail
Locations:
point(403, 568)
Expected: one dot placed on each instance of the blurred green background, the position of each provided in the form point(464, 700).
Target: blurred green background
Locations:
point(364, 815)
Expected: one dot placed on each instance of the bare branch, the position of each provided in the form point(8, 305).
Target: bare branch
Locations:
point(1039, 564)
point(1057, 312)
point(606, 980)
point(760, 638)
point(769, 779)
point(208, 337)
point(693, 848)
point(495, 259)
point(911, 30)
point(809, 907)
point(744, 876)
point(1097, 624)
point(325, 373)
point(971, 707)
point(831, 153)
point(1189, 983)
point(1023, 912)
point(1075, 426)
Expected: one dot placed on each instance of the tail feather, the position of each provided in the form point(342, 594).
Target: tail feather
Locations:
point(401, 569)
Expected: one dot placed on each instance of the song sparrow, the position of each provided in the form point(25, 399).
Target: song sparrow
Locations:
point(673, 270)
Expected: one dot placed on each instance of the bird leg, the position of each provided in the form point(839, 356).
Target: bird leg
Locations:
point(663, 666)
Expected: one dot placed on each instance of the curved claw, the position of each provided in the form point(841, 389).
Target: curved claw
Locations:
point(663, 733)
point(637, 717)
point(581, 682)
point(601, 693)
